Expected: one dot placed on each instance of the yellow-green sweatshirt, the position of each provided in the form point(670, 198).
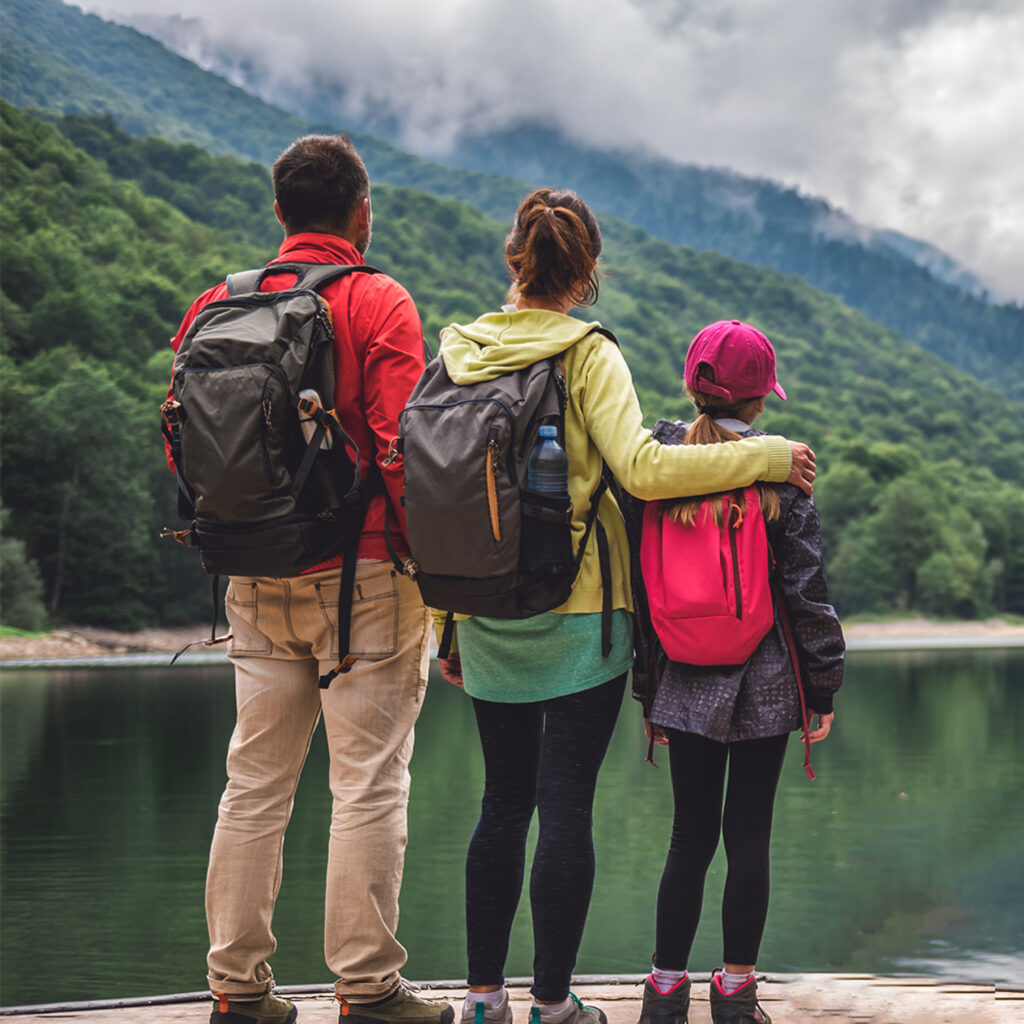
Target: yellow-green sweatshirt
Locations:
point(603, 420)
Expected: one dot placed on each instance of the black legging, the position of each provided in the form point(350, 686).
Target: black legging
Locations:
point(698, 777)
point(543, 755)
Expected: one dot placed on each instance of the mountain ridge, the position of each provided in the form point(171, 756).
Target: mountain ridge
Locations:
point(99, 68)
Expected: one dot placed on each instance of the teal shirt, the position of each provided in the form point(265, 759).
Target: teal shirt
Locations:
point(515, 661)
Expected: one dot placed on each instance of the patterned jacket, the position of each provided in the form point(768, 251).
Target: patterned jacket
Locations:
point(727, 703)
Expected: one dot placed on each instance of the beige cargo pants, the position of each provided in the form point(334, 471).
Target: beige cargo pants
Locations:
point(284, 637)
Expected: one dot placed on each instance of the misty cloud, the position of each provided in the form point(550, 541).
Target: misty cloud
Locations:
point(904, 113)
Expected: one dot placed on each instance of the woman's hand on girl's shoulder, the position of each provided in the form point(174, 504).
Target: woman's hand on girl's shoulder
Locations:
point(801, 472)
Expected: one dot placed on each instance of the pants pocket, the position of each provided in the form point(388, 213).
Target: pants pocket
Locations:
point(374, 632)
point(241, 604)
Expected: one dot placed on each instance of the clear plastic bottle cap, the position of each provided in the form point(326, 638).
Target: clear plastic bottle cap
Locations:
point(548, 431)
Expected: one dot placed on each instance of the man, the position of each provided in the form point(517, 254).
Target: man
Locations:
point(285, 635)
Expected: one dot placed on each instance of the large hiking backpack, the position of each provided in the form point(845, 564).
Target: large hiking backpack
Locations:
point(708, 586)
point(271, 482)
point(473, 526)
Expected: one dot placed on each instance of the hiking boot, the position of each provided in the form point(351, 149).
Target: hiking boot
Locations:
point(268, 1010)
point(480, 1013)
point(576, 1014)
point(741, 1007)
point(403, 1006)
point(671, 1007)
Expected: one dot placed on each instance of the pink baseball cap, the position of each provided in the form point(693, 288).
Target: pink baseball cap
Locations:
point(741, 357)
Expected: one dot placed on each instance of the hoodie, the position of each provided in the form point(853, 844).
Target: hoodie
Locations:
point(603, 420)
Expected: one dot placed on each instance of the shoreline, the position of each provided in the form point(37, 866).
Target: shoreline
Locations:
point(94, 645)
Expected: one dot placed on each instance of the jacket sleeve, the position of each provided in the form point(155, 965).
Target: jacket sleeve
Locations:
point(800, 575)
point(395, 360)
point(649, 470)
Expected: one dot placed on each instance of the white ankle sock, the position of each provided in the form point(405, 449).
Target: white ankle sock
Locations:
point(552, 1013)
point(665, 981)
point(491, 1000)
point(732, 982)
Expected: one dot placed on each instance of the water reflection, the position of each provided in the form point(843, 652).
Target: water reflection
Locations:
point(903, 856)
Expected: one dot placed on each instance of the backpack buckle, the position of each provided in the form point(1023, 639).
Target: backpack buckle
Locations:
point(185, 537)
point(172, 412)
point(394, 452)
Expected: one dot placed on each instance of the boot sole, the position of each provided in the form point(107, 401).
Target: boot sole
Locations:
point(446, 1016)
point(216, 1017)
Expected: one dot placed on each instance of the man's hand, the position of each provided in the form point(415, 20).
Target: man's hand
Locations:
point(802, 472)
point(451, 669)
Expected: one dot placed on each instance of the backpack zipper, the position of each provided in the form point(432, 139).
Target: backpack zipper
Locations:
point(492, 483)
point(732, 527)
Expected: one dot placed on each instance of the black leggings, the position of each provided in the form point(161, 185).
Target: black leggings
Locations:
point(698, 777)
point(543, 755)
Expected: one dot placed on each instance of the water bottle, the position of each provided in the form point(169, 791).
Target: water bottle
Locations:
point(547, 470)
point(547, 548)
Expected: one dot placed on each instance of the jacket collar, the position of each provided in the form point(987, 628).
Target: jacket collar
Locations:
point(314, 247)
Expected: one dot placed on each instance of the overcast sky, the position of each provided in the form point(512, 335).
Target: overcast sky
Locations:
point(908, 114)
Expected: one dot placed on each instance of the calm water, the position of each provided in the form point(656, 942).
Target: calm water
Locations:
point(905, 855)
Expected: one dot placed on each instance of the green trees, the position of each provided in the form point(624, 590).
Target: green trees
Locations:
point(21, 586)
point(921, 498)
point(907, 535)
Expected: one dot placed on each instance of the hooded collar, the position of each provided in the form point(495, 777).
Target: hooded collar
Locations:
point(506, 341)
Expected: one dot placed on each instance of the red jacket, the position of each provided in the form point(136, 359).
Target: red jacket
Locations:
point(378, 358)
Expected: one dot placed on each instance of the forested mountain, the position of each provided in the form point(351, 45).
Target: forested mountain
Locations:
point(56, 57)
point(761, 222)
point(922, 497)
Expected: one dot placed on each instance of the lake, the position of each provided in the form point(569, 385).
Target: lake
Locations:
point(905, 856)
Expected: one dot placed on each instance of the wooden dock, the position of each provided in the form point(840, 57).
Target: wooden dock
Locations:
point(787, 998)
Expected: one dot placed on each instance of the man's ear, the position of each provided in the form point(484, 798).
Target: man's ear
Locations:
point(277, 213)
point(363, 215)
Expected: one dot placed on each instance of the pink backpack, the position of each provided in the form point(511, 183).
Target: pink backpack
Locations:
point(708, 586)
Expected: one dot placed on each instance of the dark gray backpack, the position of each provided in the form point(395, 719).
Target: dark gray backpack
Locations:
point(473, 526)
point(267, 494)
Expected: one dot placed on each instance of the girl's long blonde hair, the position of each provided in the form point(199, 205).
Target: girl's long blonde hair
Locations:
point(706, 430)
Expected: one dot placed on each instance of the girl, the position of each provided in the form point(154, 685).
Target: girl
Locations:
point(545, 697)
point(740, 716)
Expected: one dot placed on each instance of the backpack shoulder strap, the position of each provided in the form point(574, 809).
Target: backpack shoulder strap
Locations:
point(307, 275)
point(244, 281)
point(608, 334)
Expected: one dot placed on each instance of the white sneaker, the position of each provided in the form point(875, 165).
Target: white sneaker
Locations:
point(480, 1013)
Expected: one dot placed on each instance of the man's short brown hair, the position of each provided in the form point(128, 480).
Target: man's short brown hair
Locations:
point(319, 180)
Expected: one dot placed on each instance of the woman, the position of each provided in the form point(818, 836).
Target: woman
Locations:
point(545, 697)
